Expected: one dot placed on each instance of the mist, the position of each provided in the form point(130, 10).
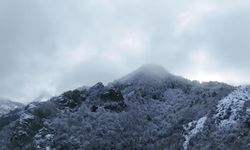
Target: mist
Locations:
point(47, 47)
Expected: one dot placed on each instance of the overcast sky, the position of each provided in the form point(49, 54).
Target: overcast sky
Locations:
point(49, 46)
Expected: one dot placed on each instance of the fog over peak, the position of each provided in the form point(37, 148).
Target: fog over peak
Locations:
point(47, 47)
point(152, 70)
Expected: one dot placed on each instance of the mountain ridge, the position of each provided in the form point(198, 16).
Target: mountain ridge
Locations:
point(7, 105)
point(151, 109)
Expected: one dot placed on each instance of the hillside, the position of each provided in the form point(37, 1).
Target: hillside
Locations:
point(148, 109)
point(227, 127)
point(6, 106)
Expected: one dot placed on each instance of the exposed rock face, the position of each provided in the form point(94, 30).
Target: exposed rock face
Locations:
point(71, 99)
point(112, 95)
point(148, 109)
point(114, 100)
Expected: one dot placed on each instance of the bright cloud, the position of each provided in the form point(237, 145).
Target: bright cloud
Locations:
point(51, 46)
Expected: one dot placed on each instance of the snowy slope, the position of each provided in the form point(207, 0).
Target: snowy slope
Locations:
point(228, 127)
point(6, 106)
point(147, 109)
point(231, 109)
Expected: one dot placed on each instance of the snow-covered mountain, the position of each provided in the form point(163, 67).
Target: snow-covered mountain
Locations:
point(228, 127)
point(6, 106)
point(148, 109)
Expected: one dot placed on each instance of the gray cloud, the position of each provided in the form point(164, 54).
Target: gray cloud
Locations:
point(47, 47)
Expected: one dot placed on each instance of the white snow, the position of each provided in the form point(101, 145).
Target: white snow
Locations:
point(229, 109)
point(26, 116)
point(47, 148)
point(6, 106)
point(193, 128)
point(49, 136)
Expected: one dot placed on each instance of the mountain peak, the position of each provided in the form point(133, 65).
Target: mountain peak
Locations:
point(147, 72)
point(152, 69)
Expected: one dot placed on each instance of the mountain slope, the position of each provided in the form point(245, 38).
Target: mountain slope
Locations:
point(6, 106)
point(229, 126)
point(148, 109)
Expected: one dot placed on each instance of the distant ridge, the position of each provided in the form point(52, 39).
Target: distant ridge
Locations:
point(7, 105)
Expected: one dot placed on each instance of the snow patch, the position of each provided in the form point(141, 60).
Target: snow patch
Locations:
point(6, 106)
point(47, 148)
point(26, 116)
point(192, 129)
point(230, 108)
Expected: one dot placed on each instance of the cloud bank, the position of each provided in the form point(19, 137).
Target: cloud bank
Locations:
point(47, 47)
